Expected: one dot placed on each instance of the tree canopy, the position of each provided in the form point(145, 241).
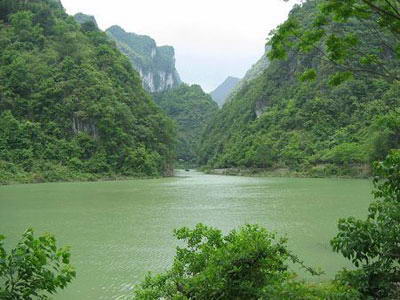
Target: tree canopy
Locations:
point(192, 109)
point(248, 263)
point(71, 106)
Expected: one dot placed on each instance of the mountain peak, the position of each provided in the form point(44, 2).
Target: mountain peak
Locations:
point(156, 65)
point(222, 92)
point(82, 18)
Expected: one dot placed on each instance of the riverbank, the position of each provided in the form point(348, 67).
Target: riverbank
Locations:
point(59, 173)
point(32, 178)
point(318, 171)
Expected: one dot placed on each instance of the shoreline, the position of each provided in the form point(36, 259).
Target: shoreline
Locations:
point(82, 179)
point(360, 172)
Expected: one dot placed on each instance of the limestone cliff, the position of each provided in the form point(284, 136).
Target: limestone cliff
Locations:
point(82, 18)
point(156, 65)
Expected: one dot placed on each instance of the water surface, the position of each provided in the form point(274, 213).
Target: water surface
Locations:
point(120, 230)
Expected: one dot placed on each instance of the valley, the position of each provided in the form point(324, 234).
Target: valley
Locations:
point(282, 182)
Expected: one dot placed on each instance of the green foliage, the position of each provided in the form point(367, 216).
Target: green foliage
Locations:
point(369, 47)
point(373, 244)
point(249, 263)
point(34, 268)
point(384, 135)
point(309, 74)
point(192, 109)
point(345, 153)
point(70, 99)
point(330, 122)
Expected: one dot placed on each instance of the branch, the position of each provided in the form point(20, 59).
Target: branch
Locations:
point(380, 10)
point(393, 7)
point(343, 67)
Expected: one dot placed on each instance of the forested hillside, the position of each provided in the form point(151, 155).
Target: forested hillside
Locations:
point(71, 105)
point(333, 123)
point(188, 106)
point(255, 71)
point(192, 109)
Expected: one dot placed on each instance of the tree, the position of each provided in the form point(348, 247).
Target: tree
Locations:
point(249, 263)
point(373, 245)
point(34, 268)
point(334, 33)
point(78, 104)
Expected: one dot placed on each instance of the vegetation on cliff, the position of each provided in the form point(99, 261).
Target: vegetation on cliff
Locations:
point(156, 65)
point(71, 105)
point(282, 120)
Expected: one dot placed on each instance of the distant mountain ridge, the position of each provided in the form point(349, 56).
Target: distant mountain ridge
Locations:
point(156, 65)
point(222, 92)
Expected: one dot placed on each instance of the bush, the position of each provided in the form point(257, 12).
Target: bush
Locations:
point(34, 268)
point(249, 263)
point(373, 245)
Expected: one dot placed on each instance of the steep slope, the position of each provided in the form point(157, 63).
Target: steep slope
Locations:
point(71, 106)
point(255, 71)
point(82, 19)
point(156, 65)
point(192, 109)
point(279, 121)
point(222, 92)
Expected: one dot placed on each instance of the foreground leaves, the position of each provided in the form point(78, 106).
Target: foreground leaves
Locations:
point(373, 244)
point(249, 263)
point(34, 268)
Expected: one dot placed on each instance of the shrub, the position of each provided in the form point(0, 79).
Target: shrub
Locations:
point(35, 267)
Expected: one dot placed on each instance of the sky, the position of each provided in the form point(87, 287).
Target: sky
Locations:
point(213, 39)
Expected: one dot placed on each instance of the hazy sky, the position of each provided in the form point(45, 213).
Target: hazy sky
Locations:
point(213, 39)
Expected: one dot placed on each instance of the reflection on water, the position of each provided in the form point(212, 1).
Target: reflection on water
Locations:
point(120, 230)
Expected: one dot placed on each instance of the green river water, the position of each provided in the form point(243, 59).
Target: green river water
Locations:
point(120, 230)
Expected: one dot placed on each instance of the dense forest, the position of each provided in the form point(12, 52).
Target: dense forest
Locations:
point(335, 123)
point(192, 109)
point(71, 105)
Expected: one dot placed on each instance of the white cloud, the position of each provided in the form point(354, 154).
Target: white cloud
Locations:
point(212, 38)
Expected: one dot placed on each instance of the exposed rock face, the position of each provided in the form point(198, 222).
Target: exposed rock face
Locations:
point(82, 18)
point(156, 65)
point(260, 108)
point(84, 125)
point(222, 92)
point(254, 72)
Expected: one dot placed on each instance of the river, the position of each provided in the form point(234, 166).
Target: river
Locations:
point(119, 230)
